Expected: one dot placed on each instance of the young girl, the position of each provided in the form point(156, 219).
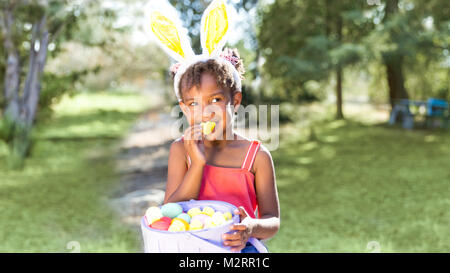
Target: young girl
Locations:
point(222, 165)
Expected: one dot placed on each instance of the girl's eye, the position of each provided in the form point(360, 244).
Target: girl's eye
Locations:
point(216, 100)
point(193, 103)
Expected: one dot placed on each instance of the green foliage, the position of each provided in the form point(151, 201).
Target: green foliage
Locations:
point(305, 41)
point(301, 41)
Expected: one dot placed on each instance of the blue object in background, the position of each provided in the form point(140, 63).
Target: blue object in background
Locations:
point(436, 107)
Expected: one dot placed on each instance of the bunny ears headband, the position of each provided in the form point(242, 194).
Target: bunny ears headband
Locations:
point(172, 38)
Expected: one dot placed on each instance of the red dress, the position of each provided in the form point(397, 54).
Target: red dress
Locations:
point(232, 185)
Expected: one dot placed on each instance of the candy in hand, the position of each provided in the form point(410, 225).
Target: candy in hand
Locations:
point(208, 127)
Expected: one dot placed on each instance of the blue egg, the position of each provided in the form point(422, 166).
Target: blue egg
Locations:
point(171, 210)
point(185, 217)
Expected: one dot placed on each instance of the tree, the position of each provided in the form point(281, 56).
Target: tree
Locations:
point(308, 40)
point(28, 29)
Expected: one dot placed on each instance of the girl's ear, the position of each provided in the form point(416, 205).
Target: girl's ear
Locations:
point(237, 99)
point(170, 36)
point(214, 28)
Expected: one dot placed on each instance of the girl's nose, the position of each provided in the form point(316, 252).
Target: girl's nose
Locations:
point(210, 112)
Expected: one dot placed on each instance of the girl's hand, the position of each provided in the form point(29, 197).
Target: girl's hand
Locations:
point(241, 232)
point(193, 144)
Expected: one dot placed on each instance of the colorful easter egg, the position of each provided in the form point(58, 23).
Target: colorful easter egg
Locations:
point(152, 214)
point(171, 210)
point(178, 225)
point(195, 225)
point(185, 217)
point(209, 223)
point(208, 211)
point(228, 215)
point(166, 219)
point(160, 224)
point(200, 217)
point(218, 218)
point(194, 211)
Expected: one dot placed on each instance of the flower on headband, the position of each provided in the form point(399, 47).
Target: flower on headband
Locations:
point(228, 55)
point(174, 68)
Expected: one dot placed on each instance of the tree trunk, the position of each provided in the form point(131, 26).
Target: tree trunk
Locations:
point(12, 76)
point(339, 113)
point(36, 66)
point(395, 79)
point(394, 63)
point(21, 111)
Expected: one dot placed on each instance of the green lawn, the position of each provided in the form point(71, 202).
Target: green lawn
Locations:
point(60, 196)
point(356, 184)
point(359, 183)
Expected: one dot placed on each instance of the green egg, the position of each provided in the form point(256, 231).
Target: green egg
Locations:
point(171, 210)
point(185, 217)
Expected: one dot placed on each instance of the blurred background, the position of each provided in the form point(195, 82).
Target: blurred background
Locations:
point(362, 85)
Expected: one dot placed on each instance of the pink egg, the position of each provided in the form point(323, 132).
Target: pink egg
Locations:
point(201, 217)
point(161, 225)
point(166, 219)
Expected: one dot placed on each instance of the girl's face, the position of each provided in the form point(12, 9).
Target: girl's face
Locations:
point(210, 103)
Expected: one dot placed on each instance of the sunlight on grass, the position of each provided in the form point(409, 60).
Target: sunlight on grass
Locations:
point(60, 195)
point(373, 183)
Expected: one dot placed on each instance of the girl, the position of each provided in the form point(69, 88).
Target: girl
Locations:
point(221, 165)
point(234, 169)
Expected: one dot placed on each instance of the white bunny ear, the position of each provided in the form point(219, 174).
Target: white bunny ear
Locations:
point(170, 36)
point(214, 27)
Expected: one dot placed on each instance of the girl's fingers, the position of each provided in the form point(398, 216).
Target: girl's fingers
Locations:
point(234, 243)
point(240, 227)
point(231, 236)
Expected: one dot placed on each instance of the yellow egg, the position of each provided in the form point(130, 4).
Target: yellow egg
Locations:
point(209, 223)
point(208, 211)
point(195, 225)
point(228, 215)
point(178, 225)
point(194, 211)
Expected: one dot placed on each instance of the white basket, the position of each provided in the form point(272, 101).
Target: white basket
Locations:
point(204, 240)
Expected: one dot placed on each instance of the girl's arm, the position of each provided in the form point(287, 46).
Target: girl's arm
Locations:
point(268, 223)
point(182, 183)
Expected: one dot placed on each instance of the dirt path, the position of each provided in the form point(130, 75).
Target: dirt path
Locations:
point(142, 165)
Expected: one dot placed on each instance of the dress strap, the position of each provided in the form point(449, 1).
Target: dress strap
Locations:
point(251, 154)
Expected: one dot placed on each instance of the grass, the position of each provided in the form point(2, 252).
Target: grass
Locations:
point(360, 183)
point(60, 196)
point(355, 184)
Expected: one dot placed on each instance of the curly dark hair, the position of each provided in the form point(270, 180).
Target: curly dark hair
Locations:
point(223, 74)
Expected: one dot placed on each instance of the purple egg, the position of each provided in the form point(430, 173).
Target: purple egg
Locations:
point(201, 217)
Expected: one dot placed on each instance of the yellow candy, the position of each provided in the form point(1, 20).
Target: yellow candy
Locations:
point(178, 224)
point(228, 215)
point(194, 211)
point(195, 225)
point(207, 127)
